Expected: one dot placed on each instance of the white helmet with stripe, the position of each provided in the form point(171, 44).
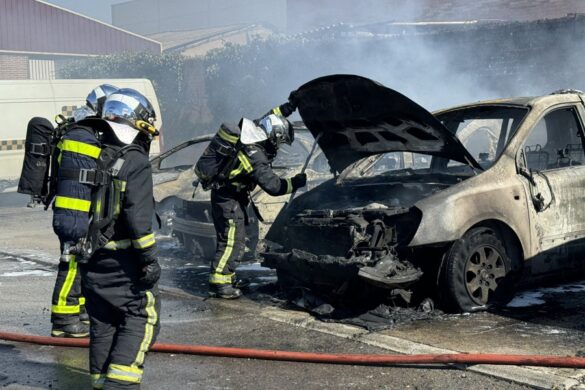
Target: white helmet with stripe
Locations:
point(97, 97)
point(130, 108)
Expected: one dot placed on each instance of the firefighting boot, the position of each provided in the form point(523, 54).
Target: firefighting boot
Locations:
point(391, 273)
point(83, 316)
point(77, 330)
point(240, 283)
point(225, 291)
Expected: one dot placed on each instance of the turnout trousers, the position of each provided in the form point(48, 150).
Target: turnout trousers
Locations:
point(229, 219)
point(67, 302)
point(124, 319)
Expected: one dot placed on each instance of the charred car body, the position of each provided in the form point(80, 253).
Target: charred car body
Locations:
point(411, 210)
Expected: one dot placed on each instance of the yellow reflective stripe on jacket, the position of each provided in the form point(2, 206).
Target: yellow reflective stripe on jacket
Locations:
point(289, 186)
point(227, 137)
point(236, 172)
point(245, 162)
point(144, 242)
point(124, 373)
point(151, 320)
point(116, 245)
point(69, 145)
point(81, 301)
point(64, 202)
point(97, 381)
point(277, 111)
point(216, 278)
point(244, 165)
point(61, 307)
point(229, 247)
point(119, 188)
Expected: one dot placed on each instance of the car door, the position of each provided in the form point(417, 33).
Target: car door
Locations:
point(554, 154)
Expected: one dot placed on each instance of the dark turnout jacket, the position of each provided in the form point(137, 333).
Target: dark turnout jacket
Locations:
point(253, 168)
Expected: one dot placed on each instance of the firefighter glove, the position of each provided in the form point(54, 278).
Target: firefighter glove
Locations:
point(293, 99)
point(299, 180)
point(286, 109)
point(150, 273)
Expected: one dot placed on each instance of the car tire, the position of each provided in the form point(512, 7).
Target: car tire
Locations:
point(476, 272)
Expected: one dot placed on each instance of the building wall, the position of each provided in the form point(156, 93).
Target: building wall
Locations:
point(13, 67)
point(155, 16)
point(35, 26)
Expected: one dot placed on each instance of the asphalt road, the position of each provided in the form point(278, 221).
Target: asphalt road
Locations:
point(546, 321)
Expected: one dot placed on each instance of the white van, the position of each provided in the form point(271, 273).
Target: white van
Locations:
point(20, 100)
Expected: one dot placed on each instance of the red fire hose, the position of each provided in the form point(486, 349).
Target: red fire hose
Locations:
point(309, 357)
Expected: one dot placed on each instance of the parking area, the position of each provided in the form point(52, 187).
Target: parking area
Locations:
point(544, 321)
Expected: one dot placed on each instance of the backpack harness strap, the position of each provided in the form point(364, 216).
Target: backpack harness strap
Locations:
point(93, 177)
point(41, 149)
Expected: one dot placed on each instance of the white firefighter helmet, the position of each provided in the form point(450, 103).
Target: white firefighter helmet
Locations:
point(131, 109)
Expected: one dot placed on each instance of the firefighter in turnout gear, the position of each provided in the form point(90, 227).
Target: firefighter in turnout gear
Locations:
point(258, 144)
point(78, 149)
point(120, 279)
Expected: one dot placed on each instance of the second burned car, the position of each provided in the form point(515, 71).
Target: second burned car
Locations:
point(186, 210)
point(462, 204)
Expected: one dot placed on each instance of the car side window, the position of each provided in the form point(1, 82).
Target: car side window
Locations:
point(555, 141)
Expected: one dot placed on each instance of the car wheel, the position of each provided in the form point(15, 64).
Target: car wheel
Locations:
point(476, 272)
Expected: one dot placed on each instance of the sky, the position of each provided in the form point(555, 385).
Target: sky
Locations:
point(99, 9)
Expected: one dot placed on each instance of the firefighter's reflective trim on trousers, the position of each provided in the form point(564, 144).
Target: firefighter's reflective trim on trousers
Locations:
point(229, 248)
point(244, 165)
point(124, 373)
point(144, 241)
point(64, 202)
point(151, 320)
point(97, 381)
point(117, 245)
point(289, 186)
point(119, 188)
point(81, 301)
point(133, 372)
point(216, 278)
point(61, 307)
point(227, 137)
point(72, 146)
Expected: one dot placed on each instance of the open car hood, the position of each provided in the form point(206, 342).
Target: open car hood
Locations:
point(355, 117)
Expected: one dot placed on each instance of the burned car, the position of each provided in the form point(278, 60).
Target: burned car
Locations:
point(186, 209)
point(463, 204)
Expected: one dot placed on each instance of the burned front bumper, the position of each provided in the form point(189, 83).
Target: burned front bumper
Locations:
point(328, 248)
point(315, 270)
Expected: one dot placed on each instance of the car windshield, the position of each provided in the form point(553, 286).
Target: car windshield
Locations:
point(483, 130)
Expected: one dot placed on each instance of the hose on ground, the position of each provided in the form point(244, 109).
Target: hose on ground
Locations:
point(311, 357)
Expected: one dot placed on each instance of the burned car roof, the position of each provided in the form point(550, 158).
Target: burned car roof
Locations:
point(355, 117)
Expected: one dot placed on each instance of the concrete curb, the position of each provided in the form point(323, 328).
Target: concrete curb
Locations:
point(541, 377)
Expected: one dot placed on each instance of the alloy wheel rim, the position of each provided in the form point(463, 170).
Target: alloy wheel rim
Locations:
point(484, 269)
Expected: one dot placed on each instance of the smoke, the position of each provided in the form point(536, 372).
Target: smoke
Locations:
point(443, 69)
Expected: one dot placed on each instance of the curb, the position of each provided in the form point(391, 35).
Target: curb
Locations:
point(541, 377)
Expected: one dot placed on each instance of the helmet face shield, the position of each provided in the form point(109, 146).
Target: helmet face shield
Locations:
point(278, 129)
point(130, 107)
point(96, 98)
point(82, 113)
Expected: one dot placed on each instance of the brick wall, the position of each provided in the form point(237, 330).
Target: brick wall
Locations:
point(13, 67)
